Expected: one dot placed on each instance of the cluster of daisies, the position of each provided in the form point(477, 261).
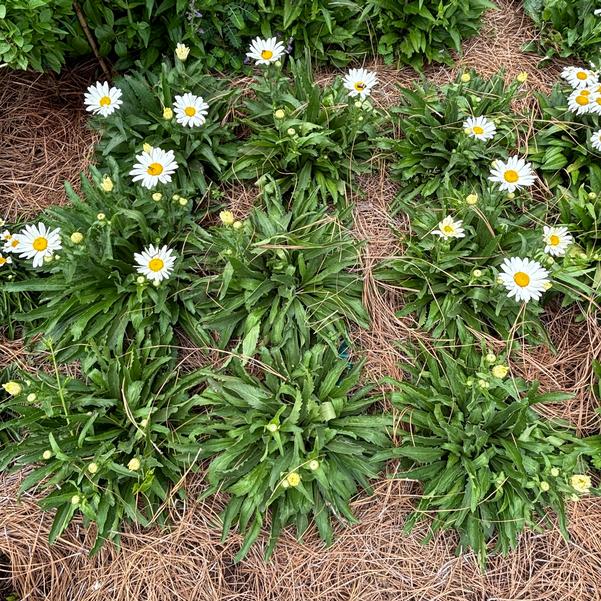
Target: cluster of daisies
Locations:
point(585, 97)
point(523, 278)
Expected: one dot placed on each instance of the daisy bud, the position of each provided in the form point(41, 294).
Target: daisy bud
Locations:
point(101, 216)
point(176, 197)
point(107, 184)
point(167, 113)
point(314, 465)
point(285, 484)
point(77, 237)
point(144, 423)
point(48, 259)
point(490, 358)
point(358, 104)
point(582, 256)
point(291, 131)
point(278, 64)
point(522, 77)
point(471, 199)
point(31, 397)
point(469, 382)
point(467, 131)
point(46, 455)
point(146, 147)
point(279, 114)
point(227, 217)
point(182, 51)
point(272, 428)
point(465, 77)
point(544, 486)
point(93, 468)
point(360, 118)
point(156, 283)
point(183, 202)
point(499, 280)
point(12, 388)
point(157, 196)
point(134, 464)
point(548, 285)
point(592, 195)
point(500, 371)
point(141, 279)
point(75, 500)
point(482, 383)
point(554, 472)
point(477, 273)
point(511, 196)
point(293, 479)
point(237, 225)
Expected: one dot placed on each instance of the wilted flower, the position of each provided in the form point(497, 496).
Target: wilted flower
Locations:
point(12, 388)
point(77, 237)
point(182, 51)
point(227, 217)
point(581, 483)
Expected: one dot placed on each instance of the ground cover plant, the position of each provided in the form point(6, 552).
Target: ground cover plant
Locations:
point(188, 350)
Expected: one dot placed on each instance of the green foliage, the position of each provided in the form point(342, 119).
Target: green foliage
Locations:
point(201, 152)
point(33, 33)
point(93, 292)
point(431, 151)
point(132, 407)
point(483, 453)
point(295, 441)
point(568, 28)
point(321, 140)
point(561, 148)
point(284, 275)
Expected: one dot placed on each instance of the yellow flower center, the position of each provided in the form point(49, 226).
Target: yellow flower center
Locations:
point(104, 101)
point(360, 86)
point(585, 92)
point(448, 229)
point(2, 260)
point(581, 75)
point(155, 169)
point(40, 243)
point(266, 54)
point(14, 243)
point(598, 101)
point(511, 176)
point(582, 100)
point(190, 111)
point(521, 279)
point(156, 264)
point(553, 240)
point(478, 130)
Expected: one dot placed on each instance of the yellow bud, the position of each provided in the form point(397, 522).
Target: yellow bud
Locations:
point(522, 77)
point(291, 131)
point(167, 113)
point(554, 472)
point(227, 217)
point(101, 216)
point(279, 114)
point(75, 499)
point(182, 51)
point(157, 196)
point(500, 371)
point(581, 483)
point(134, 464)
point(293, 479)
point(77, 237)
point(237, 225)
point(146, 147)
point(491, 358)
point(47, 454)
point(183, 201)
point(548, 285)
point(31, 397)
point(93, 468)
point(465, 78)
point(141, 279)
point(13, 388)
point(544, 486)
point(107, 184)
point(471, 199)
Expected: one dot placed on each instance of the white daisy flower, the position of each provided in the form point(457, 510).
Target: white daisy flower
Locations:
point(267, 51)
point(449, 228)
point(9, 243)
point(557, 240)
point(596, 140)
point(513, 174)
point(597, 12)
point(37, 242)
point(524, 279)
point(154, 166)
point(595, 98)
point(101, 99)
point(190, 110)
point(359, 82)
point(480, 128)
point(582, 101)
point(580, 78)
point(5, 260)
point(155, 263)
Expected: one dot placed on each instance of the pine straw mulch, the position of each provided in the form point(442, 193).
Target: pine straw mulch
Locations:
point(45, 141)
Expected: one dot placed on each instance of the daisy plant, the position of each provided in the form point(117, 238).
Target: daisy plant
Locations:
point(172, 131)
point(111, 444)
point(279, 276)
point(305, 136)
point(489, 464)
point(451, 134)
point(296, 443)
point(123, 271)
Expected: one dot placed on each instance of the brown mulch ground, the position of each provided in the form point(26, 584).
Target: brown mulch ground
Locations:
point(44, 142)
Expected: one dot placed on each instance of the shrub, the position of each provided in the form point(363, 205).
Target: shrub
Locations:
point(432, 152)
point(296, 442)
point(282, 276)
point(112, 443)
point(489, 464)
point(568, 28)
